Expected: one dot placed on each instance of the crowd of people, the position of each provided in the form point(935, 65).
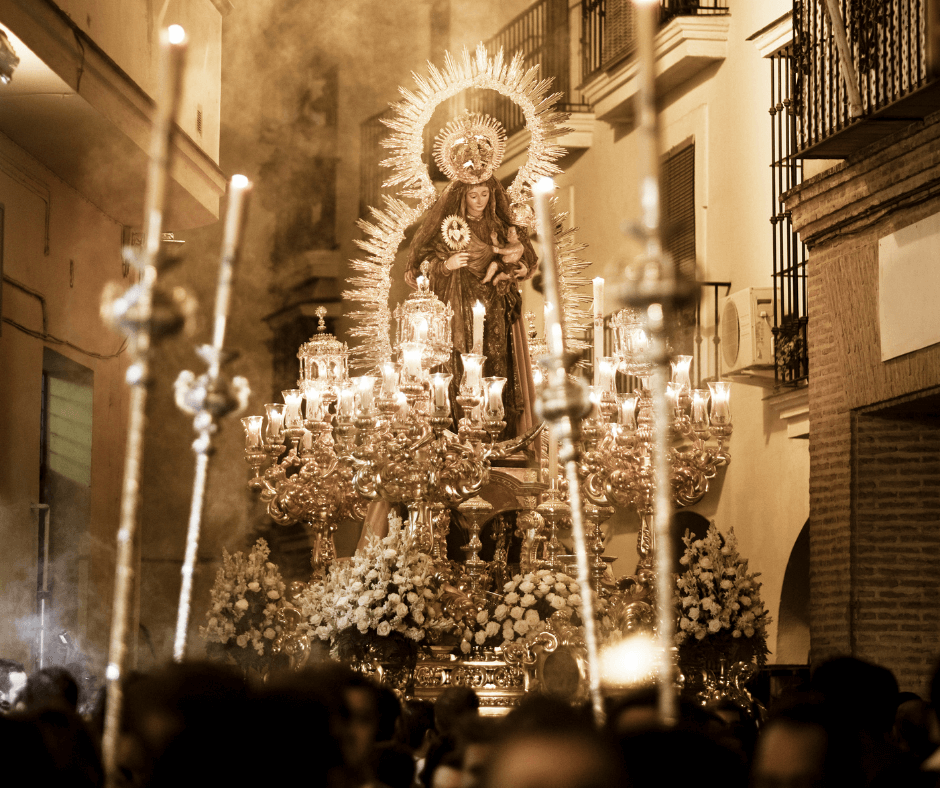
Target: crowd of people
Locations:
point(204, 724)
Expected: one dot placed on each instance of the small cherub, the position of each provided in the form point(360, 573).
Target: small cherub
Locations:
point(502, 269)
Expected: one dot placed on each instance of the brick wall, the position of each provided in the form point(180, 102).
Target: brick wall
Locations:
point(874, 443)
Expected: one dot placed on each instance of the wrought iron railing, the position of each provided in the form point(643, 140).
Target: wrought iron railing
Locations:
point(890, 46)
point(789, 253)
point(608, 31)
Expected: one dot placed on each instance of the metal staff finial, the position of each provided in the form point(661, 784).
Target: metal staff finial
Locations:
point(210, 397)
point(563, 405)
point(132, 312)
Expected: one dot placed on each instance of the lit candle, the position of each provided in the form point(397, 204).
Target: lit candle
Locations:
point(346, 405)
point(411, 362)
point(252, 426)
point(470, 386)
point(478, 312)
point(700, 408)
point(389, 378)
point(314, 404)
point(421, 330)
point(402, 402)
point(598, 327)
point(628, 412)
point(494, 399)
point(721, 403)
point(608, 368)
point(440, 387)
point(680, 372)
point(275, 421)
point(366, 389)
point(292, 401)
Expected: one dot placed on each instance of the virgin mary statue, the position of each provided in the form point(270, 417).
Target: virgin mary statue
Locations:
point(477, 249)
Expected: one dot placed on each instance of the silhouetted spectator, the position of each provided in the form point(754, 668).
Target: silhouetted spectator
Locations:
point(50, 687)
point(12, 680)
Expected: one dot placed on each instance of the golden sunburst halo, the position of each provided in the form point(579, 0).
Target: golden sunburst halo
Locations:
point(384, 234)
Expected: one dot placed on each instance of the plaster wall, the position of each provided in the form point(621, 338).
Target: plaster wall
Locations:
point(83, 254)
point(129, 33)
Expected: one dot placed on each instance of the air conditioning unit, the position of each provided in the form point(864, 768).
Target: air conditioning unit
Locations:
point(747, 342)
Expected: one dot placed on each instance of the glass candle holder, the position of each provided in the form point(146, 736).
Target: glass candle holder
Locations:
point(627, 403)
point(471, 385)
point(411, 353)
point(680, 373)
point(440, 393)
point(293, 399)
point(365, 390)
point(721, 403)
point(700, 409)
point(314, 398)
point(346, 402)
point(390, 371)
point(252, 425)
point(275, 415)
point(493, 408)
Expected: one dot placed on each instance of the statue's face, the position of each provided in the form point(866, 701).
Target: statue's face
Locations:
point(477, 198)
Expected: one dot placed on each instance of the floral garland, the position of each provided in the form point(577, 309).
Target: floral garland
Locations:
point(376, 603)
point(245, 599)
point(721, 614)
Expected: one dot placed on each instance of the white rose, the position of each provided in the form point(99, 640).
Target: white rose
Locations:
point(521, 627)
point(482, 616)
point(714, 625)
point(557, 602)
point(512, 598)
point(273, 595)
point(412, 597)
point(394, 598)
point(532, 617)
point(401, 609)
point(269, 633)
point(413, 633)
point(465, 646)
point(365, 599)
point(418, 616)
point(694, 613)
point(241, 604)
point(516, 612)
point(500, 613)
point(389, 554)
point(492, 629)
point(383, 629)
point(528, 600)
point(479, 637)
point(527, 587)
point(242, 640)
point(254, 586)
point(574, 600)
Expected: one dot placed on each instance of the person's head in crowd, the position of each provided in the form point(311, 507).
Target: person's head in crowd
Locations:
point(388, 712)
point(392, 765)
point(52, 746)
point(12, 680)
point(573, 756)
point(414, 725)
point(679, 756)
point(52, 686)
point(442, 766)
point(452, 704)
point(862, 693)
point(805, 745)
point(174, 715)
point(537, 712)
point(912, 731)
point(477, 737)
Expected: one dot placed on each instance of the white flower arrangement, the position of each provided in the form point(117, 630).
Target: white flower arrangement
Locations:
point(528, 601)
point(245, 599)
point(720, 611)
point(377, 600)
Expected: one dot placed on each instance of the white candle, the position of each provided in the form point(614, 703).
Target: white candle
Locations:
point(366, 386)
point(440, 385)
point(478, 312)
point(292, 401)
point(252, 426)
point(552, 462)
point(275, 421)
point(314, 404)
point(721, 403)
point(421, 330)
point(598, 297)
point(389, 378)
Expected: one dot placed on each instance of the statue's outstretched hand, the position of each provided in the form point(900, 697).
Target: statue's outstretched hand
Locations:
point(455, 261)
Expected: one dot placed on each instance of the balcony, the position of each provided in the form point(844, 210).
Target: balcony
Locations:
point(692, 37)
point(895, 63)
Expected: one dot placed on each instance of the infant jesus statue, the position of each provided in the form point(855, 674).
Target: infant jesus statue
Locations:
point(506, 268)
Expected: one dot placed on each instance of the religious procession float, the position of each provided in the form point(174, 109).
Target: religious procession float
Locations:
point(469, 424)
